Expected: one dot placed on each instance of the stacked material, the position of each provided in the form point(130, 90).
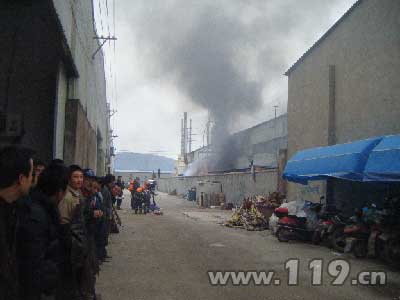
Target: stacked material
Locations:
point(248, 216)
point(267, 204)
point(274, 199)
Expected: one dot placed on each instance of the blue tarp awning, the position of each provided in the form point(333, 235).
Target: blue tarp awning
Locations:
point(384, 160)
point(345, 161)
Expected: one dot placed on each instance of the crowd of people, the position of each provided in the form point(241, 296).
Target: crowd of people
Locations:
point(55, 222)
point(141, 196)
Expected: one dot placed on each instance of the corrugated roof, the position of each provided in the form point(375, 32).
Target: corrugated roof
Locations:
point(317, 43)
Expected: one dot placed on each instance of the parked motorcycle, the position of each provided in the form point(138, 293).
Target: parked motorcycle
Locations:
point(361, 233)
point(291, 227)
point(330, 223)
point(384, 240)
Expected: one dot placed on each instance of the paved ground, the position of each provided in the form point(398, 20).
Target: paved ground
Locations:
point(167, 257)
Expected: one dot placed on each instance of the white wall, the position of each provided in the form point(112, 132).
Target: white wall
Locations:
point(90, 87)
point(235, 186)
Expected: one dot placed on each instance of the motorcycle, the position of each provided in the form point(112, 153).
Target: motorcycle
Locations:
point(330, 231)
point(291, 227)
point(356, 234)
point(384, 240)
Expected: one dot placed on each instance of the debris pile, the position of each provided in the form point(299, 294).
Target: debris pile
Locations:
point(266, 205)
point(248, 217)
point(274, 199)
point(255, 211)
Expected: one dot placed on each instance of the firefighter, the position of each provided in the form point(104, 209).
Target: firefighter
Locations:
point(138, 200)
point(146, 197)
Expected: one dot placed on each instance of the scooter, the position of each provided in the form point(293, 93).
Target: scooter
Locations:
point(335, 235)
point(291, 227)
point(356, 235)
point(384, 241)
point(330, 230)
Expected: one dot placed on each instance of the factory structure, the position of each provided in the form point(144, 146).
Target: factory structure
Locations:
point(53, 91)
point(257, 146)
point(345, 88)
point(255, 159)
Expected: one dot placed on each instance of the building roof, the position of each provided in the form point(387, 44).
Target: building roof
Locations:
point(282, 116)
point(317, 43)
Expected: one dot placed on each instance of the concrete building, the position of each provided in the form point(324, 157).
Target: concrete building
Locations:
point(260, 143)
point(52, 89)
point(346, 87)
point(264, 143)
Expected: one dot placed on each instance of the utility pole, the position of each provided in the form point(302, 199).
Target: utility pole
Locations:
point(103, 40)
point(185, 132)
point(208, 129)
point(275, 137)
point(182, 139)
point(190, 137)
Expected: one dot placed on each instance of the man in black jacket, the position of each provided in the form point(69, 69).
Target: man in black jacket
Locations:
point(107, 201)
point(16, 167)
point(39, 236)
point(91, 214)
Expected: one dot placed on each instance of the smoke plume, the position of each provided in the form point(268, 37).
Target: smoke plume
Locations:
point(224, 56)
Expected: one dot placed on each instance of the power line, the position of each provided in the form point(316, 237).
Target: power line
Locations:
point(114, 73)
point(108, 24)
point(101, 18)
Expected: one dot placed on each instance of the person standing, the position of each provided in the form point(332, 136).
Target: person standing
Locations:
point(100, 235)
point(73, 236)
point(91, 214)
point(16, 168)
point(138, 200)
point(38, 236)
point(107, 201)
point(38, 167)
point(146, 197)
point(135, 186)
point(120, 196)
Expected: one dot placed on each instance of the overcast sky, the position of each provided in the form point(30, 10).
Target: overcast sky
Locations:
point(223, 56)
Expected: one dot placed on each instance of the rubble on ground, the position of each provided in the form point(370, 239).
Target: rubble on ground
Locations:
point(255, 211)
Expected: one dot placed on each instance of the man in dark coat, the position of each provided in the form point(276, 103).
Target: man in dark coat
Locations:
point(38, 236)
point(16, 168)
point(91, 213)
point(100, 234)
point(107, 201)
